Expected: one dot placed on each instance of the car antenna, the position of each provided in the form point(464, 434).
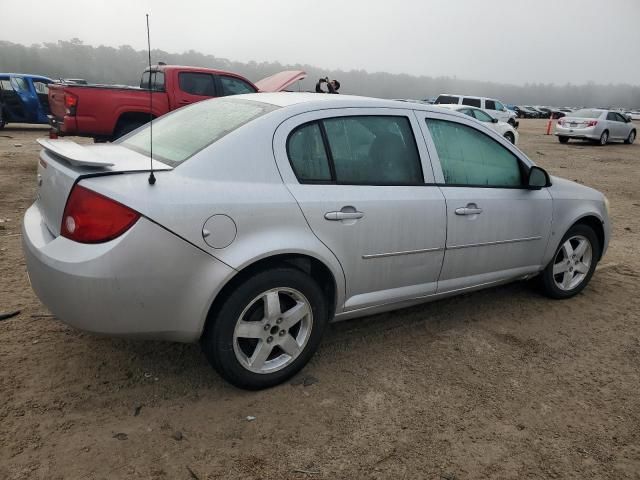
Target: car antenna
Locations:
point(152, 178)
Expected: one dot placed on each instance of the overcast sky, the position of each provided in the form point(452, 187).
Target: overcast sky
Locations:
point(511, 41)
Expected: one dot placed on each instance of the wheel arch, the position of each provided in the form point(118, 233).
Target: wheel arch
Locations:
point(131, 116)
point(311, 265)
point(595, 224)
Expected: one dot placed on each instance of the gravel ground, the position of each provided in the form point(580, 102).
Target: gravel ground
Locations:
point(502, 383)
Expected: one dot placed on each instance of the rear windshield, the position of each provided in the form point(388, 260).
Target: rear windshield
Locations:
point(586, 113)
point(446, 99)
point(181, 134)
point(157, 80)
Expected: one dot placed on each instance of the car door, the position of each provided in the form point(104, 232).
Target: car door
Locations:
point(228, 85)
point(360, 178)
point(624, 126)
point(496, 110)
point(194, 87)
point(496, 228)
point(13, 107)
point(613, 126)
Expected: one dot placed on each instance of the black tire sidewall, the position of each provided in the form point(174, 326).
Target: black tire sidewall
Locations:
point(217, 339)
point(563, 139)
point(509, 136)
point(602, 135)
point(548, 285)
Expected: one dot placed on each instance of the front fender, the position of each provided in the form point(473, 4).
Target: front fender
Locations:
point(568, 212)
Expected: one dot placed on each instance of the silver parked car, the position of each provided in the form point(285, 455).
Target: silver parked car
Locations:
point(601, 126)
point(273, 214)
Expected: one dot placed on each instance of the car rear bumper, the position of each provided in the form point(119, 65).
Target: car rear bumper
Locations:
point(146, 283)
point(589, 133)
point(63, 126)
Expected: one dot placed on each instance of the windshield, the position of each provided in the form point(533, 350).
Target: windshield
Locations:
point(180, 135)
point(586, 113)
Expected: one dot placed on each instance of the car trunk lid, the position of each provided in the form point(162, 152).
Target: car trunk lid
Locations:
point(577, 122)
point(280, 81)
point(62, 163)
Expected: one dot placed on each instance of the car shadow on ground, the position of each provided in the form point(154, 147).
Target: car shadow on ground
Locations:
point(179, 369)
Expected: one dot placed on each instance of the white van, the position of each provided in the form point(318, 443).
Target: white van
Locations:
point(491, 105)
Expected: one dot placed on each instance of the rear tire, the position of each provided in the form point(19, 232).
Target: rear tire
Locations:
point(250, 338)
point(631, 138)
point(563, 139)
point(573, 263)
point(604, 138)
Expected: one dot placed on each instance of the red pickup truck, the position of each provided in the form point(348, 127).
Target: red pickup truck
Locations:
point(107, 112)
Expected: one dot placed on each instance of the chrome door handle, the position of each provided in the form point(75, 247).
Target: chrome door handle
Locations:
point(343, 215)
point(468, 211)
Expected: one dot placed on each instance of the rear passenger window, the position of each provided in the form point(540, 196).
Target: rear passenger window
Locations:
point(472, 102)
point(362, 150)
point(612, 116)
point(469, 157)
point(490, 104)
point(374, 150)
point(307, 154)
point(446, 99)
point(197, 84)
point(235, 86)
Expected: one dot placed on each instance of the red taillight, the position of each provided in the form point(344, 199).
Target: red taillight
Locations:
point(592, 123)
point(93, 218)
point(70, 103)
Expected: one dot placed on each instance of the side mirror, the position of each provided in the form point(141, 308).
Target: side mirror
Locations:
point(494, 120)
point(538, 178)
point(627, 118)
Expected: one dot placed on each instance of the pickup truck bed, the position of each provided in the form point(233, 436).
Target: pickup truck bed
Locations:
point(107, 112)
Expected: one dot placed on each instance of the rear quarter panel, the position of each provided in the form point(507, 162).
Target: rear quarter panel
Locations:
point(236, 177)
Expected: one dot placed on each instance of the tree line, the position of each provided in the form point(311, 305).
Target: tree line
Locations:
point(124, 65)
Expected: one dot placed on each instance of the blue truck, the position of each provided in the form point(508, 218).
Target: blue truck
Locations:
point(24, 98)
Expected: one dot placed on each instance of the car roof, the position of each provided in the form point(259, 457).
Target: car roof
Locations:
point(37, 77)
point(320, 101)
point(465, 96)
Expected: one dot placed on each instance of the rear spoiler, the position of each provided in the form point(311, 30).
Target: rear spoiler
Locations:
point(108, 156)
point(74, 153)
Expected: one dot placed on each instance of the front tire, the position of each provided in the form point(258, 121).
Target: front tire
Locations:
point(266, 329)
point(573, 263)
point(509, 136)
point(563, 139)
point(631, 138)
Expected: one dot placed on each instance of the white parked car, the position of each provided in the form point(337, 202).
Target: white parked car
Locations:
point(495, 108)
point(503, 128)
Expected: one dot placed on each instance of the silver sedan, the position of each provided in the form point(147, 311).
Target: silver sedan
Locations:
point(269, 215)
point(601, 126)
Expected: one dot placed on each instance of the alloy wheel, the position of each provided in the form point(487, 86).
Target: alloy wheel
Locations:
point(273, 330)
point(572, 262)
point(604, 138)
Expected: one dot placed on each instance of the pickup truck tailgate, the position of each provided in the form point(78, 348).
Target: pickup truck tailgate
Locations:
point(56, 100)
point(63, 162)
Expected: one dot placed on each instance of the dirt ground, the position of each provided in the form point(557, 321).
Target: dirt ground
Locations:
point(502, 383)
